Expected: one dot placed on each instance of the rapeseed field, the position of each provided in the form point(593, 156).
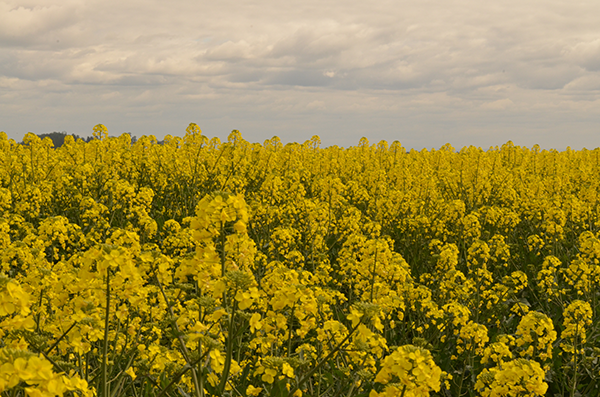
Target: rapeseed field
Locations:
point(195, 267)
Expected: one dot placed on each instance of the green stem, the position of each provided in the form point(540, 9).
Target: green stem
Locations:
point(230, 338)
point(403, 391)
point(182, 372)
point(184, 349)
point(373, 272)
point(289, 349)
point(105, 347)
point(61, 338)
point(222, 243)
point(574, 388)
point(324, 360)
point(200, 369)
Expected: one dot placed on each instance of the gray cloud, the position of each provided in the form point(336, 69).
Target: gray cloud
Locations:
point(430, 71)
point(587, 54)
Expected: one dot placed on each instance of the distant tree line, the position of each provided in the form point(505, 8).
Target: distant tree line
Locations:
point(58, 138)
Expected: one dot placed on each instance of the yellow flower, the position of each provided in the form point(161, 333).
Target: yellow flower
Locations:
point(518, 377)
point(354, 316)
point(255, 323)
point(131, 373)
point(269, 375)
point(253, 391)
point(412, 367)
point(577, 317)
point(536, 335)
point(287, 370)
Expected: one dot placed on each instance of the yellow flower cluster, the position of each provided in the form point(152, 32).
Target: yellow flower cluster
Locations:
point(195, 266)
point(515, 378)
point(408, 371)
point(21, 367)
point(535, 336)
point(578, 316)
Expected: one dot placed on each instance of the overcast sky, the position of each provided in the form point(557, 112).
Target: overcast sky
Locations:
point(425, 73)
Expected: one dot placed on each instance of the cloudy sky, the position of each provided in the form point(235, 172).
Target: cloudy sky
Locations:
point(424, 72)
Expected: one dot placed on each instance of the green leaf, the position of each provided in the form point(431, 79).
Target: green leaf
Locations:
point(279, 389)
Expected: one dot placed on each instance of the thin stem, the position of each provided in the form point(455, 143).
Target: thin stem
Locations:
point(201, 370)
point(327, 357)
point(230, 338)
point(184, 349)
point(181, 373)
point(222, 243)
point(289, 349)
point(373, 272)
point(105, 347)
point(575, 348)
point(403, 391)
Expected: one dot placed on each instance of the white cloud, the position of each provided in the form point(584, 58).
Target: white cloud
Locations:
point(586, 83)
point(500, 104)
point(41, 26)
point(587, 54)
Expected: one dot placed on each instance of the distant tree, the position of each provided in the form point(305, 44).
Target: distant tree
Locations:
point(133, 137)
point(58, 138)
